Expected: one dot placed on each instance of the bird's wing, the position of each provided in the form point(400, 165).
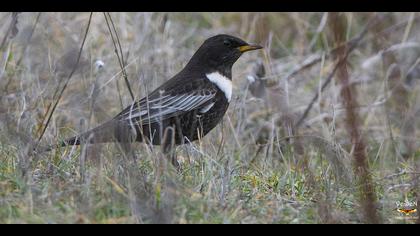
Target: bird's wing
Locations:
point(159, 107)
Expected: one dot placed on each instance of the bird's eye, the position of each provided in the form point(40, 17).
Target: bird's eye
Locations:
point(227, 43)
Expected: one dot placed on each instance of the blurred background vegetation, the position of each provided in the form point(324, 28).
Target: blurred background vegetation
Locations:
point(323, 126)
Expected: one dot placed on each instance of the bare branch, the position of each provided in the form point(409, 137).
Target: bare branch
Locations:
point(66, 83)
point(120, 56)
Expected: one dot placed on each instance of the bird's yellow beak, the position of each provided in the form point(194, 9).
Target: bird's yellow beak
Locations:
point(247, 48)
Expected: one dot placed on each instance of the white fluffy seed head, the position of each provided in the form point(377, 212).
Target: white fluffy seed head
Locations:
point(99, 64)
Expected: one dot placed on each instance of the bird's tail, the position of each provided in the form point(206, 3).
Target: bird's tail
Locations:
point(107, 132)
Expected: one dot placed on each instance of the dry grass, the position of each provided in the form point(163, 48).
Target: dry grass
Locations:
point(255, 167)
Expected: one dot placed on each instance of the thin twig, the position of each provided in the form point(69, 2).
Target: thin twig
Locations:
point(366, 189)
point(352, 45)
point(119, 43)
point(119, 54)
point(119, 94)
point(408, 27)
point(404, 172)
point(6, 87)
point(399, 186)
point(348, 44)
point(67, 81)
point(397, 26)
point(315, 98)
point(12, 24)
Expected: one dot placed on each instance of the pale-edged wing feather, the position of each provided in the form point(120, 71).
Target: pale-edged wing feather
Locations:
point(153, 109)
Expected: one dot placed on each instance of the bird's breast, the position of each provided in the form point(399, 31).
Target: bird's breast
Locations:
point(223, 83)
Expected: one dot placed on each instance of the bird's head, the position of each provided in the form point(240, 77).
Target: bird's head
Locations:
point(220, 52)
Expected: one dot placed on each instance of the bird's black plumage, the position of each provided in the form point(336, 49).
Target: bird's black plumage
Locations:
point(184, 108)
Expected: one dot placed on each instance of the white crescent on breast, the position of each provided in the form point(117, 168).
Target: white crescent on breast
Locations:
point(222, 82)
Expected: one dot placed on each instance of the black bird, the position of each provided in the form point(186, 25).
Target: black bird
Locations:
point(183, 109)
